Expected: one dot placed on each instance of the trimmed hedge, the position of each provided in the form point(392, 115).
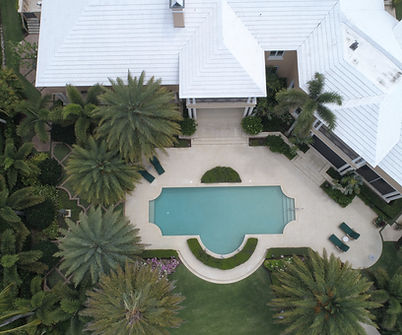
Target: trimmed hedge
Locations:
point(40, 216)
point(277, 144)
point(252, 125)
point(334, 174)
point(221, 174)
point(50, 172)
point(188, 126)
point(377, 204)
point(223, 263)
point(342, 199)
point(159, 253)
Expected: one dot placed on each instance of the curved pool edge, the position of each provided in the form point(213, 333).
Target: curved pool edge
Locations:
point(218, 276)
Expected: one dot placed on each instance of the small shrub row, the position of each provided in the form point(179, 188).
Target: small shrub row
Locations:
point(223, 263)
point(277, 144)
point(282, 252)
point(342, 199)
point(159, 253)
point(221, 174)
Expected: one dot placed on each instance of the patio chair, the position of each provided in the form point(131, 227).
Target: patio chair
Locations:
point(338, 243)
point(157, 165)
point(349, 231)
point(150, 178)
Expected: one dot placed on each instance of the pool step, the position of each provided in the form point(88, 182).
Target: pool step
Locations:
point(288, 209)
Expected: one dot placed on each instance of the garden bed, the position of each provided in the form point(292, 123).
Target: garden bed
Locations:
point(223, 263)
point(159, 253)
point(277, 144)
point(342, 199)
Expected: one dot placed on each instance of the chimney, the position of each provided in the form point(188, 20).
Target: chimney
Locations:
point(177, 7)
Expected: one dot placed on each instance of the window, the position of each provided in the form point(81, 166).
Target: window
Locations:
point(276, 54)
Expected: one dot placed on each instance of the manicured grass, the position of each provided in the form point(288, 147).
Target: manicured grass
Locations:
point(390, 258)
point(215, 309)
point(221, 174)
point(66, 203)
point(60, 151)
point(223, 263)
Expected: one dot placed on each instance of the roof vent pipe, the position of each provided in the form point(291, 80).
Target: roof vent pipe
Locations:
point(177, 7)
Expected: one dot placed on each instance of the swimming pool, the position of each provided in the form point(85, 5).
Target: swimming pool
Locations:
point(221, 215)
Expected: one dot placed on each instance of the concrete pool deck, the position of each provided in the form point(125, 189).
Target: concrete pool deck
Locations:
point(317, 216)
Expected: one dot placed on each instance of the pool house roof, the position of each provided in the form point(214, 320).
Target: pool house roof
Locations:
point(220, 53)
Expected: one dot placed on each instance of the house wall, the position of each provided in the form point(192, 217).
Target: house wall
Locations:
point(287, 67)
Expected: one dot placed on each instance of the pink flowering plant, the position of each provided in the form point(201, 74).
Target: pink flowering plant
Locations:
point(164, 266)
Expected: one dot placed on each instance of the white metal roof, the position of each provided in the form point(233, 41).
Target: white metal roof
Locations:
point(218, 54)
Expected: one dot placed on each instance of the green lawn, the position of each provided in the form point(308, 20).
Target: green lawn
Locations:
point(213, 309)
point(390, 258)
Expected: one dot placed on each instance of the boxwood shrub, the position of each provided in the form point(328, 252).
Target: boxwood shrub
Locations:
point(40, 216)
point(277, 144)
point(342, 199)
point(252, 125)
point(188, 126)
point(221, 174)
point(223, 263)
point(50, 172)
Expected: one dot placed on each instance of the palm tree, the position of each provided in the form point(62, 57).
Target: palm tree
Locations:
point(98, 175)
point(309, 103)
point(36, 120)
point(322, 296)
point(12, 204)
point(138, 117)
point(79, 110)
point(390, 295)
point(13, 161)
point(133, 300)
point(99, 243)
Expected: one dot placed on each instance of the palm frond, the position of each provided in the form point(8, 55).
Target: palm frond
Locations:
point(74, 95)
point(327, 115)
point(316, 85)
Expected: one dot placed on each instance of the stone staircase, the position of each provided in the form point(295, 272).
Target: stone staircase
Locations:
point(219, 141)
point(33, 25)
point(313, 165)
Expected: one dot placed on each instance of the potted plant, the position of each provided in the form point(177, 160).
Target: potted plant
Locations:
point(380, 221)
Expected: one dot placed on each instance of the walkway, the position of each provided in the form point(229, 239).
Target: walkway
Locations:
point(317, 216)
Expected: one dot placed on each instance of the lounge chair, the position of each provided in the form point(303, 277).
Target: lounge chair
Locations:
point(349, 231)
point(157, 165)
point(150, 178)
point(338, 243)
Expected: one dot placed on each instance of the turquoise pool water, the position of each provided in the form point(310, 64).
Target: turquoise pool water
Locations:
point(221, 215)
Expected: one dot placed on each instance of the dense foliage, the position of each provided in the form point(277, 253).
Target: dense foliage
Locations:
point(277, 144)
point(133, 300)
point(221, 174)
point(223, 263)
point(322, 296)
point(251, 125)
point(338, 196)
point(41, 215)
point(138, 117)
point(188, 126)
point(98, 244)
